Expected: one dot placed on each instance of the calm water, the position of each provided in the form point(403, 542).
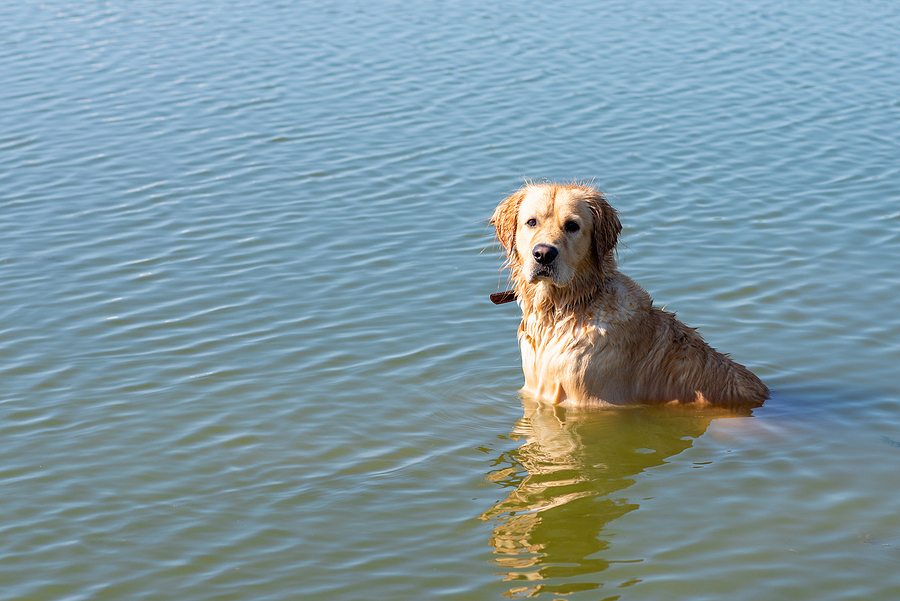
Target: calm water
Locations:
point(246, 349)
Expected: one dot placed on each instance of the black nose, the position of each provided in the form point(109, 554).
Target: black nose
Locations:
point(544, 253)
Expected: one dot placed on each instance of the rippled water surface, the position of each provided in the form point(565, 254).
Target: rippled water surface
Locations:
point(246, 349)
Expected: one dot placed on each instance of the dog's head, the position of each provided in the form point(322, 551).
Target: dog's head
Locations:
point(556, 232)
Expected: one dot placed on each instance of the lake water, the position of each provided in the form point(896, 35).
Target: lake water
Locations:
point(246, 347)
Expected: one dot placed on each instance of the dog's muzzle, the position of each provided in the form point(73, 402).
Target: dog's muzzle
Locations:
point(544, 266)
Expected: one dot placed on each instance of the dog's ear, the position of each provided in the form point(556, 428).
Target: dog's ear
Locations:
point(606, 225)
point(505, 221)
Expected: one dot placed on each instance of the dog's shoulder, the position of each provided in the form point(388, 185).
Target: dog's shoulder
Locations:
point(621, 299)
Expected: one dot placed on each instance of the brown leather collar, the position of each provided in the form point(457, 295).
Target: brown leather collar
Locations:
point(498, 298)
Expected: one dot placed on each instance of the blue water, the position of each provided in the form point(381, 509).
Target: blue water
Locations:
point(246, 347)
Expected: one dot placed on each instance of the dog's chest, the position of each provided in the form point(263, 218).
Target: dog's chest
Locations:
point(557, 359)
point(562, 343)
point(575, 360)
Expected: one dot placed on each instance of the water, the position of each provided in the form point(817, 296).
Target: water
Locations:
point(246, 349)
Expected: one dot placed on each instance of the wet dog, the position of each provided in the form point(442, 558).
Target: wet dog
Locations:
point(589, 334)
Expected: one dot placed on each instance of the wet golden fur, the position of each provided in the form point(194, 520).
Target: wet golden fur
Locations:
point(589, 334)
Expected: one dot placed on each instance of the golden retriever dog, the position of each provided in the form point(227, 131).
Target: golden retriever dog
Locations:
point(589, 334)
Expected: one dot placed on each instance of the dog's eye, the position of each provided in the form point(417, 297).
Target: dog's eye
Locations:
point(571, 227)
point(531, 222)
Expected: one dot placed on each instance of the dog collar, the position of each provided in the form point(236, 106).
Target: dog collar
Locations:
point(498, 298)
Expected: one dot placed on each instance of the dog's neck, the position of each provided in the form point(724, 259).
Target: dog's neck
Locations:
point(549, 301)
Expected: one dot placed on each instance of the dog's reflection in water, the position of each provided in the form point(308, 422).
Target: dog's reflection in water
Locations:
point(562, 482)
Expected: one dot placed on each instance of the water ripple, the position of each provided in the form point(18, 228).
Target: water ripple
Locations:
point(245, 339)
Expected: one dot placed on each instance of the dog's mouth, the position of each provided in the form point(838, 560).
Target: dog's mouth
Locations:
point(541, 272)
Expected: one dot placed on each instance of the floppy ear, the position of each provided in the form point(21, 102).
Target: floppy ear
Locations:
point(505, 221)
point(606, 225)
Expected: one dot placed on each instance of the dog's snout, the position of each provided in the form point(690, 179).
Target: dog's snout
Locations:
point(544, 253)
